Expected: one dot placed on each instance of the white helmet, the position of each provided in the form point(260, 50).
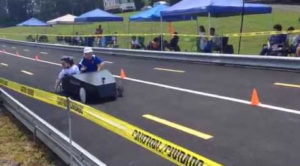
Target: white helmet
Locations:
point(87, 50)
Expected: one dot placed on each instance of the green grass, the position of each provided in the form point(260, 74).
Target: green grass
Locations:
point(250, 45)
point(18, 147)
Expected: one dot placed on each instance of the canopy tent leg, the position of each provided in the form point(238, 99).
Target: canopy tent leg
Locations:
point(161, 34)
point(128, 32)
point(242, 26)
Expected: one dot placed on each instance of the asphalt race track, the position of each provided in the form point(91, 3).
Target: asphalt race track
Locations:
point(207, 98)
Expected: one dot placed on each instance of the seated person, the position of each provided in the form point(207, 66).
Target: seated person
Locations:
point(275, 42)
point(294, 41)
point(154, 44)
point(215, 42)
point(90, 62)
point(114, 40)
point(202, 45)
point(68, 68)
point(135, 43)
point(298, 51)
point(174, 43)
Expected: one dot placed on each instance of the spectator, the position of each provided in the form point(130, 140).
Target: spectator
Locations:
point(276, 42)
point(135, 43)
point(203, 40)
point(99, 33)
point(174, 42)
point(214, 44)
point(115, 40)
point(154, 44)
point(293, 40)
point(298, 51)
point(77, 39)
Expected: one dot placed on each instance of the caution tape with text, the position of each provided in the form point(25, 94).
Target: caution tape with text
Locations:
point(155, 144)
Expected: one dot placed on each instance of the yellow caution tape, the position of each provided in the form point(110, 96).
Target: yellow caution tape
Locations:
point(246, 34)
point(166, 149)
point(41, 95)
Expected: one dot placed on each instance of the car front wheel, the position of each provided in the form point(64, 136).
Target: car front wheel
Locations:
point(82, 95)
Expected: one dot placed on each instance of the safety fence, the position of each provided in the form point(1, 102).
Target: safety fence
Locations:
point(251, 41)
point(164, 148)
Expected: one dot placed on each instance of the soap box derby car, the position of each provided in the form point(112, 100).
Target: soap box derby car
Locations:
point(95, 85)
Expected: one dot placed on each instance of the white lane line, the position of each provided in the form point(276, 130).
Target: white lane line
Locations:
point(3, 64)
point(26, 50)
point(169, 70)
point(14, 48)
point(211, 95)
point(108, 62)
point(26, 72)
point(45, 53)
point(287, 85)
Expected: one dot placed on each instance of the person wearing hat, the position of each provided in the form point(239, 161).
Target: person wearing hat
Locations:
point(68, 68)
point(90, 62)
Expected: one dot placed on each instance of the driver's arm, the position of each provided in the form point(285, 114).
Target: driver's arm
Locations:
point(59, 80)
point(100, 66)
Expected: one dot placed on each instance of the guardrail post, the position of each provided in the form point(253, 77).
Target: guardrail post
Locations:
point(70, 130)
point(34, 134)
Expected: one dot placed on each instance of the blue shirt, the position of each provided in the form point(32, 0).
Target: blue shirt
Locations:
point(277, 39)
point(91, 65)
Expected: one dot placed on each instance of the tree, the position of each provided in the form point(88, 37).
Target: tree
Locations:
point(139, 4)
point(172, 2)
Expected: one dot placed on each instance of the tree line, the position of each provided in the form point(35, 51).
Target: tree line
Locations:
point(16, 11)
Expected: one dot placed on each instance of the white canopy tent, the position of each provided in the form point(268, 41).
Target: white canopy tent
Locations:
point(66, 19)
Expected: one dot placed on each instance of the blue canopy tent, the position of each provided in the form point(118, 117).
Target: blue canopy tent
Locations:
point(154, 14)
point(97, 15)
point(33, 22)
point(215, 8)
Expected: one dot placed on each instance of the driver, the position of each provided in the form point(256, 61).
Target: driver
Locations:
point(68, 68)
point(90, 62)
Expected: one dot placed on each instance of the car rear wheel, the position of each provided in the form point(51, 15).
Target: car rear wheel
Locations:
point(120, 91)
point(82, 95)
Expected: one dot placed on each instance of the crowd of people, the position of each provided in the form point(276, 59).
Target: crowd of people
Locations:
point(280, 44)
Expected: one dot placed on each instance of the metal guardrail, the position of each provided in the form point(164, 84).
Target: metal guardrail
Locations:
point(69, 151)
point(273, 62)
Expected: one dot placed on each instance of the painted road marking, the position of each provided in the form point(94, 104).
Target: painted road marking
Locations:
point(45, 53)
point(287, 85)
point(26, 50)
point(170, 70)
point(179, 127)
point(27, 72)
point(211, 95)
point(3, 64)
point(108, 62)
point(14, 48)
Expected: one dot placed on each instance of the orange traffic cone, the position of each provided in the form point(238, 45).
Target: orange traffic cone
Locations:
point(255, 99)
point(122, 74)
point(36, 57)
point(17, 54)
